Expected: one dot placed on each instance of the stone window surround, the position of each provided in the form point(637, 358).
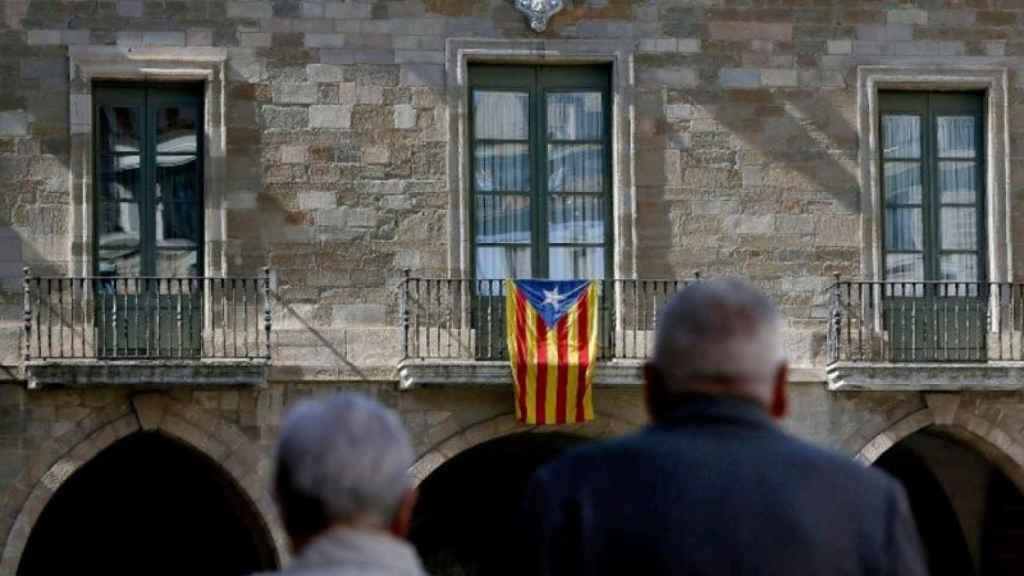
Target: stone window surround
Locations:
point(460, 52)
point(153, 64)
point(904, 377)
point(993, 81)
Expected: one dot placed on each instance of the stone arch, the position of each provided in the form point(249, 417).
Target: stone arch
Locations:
point(942, 412)
point(603, 426)
point(220, 441)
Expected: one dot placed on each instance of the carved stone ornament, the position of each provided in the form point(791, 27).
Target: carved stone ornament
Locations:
point(539, 11)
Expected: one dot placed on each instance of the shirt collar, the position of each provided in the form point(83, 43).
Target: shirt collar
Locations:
point(342, 546)
point(702, 408)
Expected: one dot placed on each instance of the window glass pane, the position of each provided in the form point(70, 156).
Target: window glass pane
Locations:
point(959, 228)
point(957, 182)
point(176, 130)
point(903, 229)
point(575, 167)
point(575, 116)
point(177, 224)
point(502, 219)
point(501, 115)
point(958, 268)
point(119, 178)
point(178, 205)
point(119, 238)
point(956, 136)
point(901, 136)
point(502, 168)
point(177, 263)
point(499, 262)
point(903, 182)
point(576, 262)
point(904, 267)
point(576, 219)
point(119, 129)
point(118, 226)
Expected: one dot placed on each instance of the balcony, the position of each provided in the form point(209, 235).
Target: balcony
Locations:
point(943, 336)
point(146, 331)
point(453, 330)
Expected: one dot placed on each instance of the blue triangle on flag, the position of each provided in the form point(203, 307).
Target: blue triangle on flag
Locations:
point(552, 298)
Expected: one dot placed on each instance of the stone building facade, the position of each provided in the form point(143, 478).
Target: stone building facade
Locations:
point(338, 152)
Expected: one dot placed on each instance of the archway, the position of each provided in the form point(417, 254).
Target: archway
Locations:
point(152, 504)
point(465, 519)
point(968, 512)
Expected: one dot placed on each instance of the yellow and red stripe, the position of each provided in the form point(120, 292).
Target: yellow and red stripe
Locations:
point(552, 366)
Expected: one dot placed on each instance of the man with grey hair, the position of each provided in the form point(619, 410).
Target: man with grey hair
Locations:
point(343, 488)
point(713, 486)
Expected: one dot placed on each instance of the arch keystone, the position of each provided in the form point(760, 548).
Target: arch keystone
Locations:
point(943, 407)
point(149, 410)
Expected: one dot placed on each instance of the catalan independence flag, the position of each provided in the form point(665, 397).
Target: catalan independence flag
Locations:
point(551, 328)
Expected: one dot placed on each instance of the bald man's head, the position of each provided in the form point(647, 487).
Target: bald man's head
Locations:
point(718, 337)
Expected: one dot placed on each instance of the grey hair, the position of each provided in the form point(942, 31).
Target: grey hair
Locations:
point(722, 330)
point(340, 459)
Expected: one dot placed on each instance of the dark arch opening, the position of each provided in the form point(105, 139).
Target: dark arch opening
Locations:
point(968, 512)
point(149, 504)
point(464, 524)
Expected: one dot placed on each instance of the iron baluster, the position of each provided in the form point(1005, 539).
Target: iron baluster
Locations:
point(223, 318)
point(27, 312)
point(178, 319)
point(49, 317)
point(403, 312)
point(266, 307)
point(234, 318)
point(245, 317)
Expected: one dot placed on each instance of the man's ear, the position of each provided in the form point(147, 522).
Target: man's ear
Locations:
point(402, 522)
point(780, 393)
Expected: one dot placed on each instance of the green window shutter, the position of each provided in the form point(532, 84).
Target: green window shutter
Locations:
point(148, 215)
point(149, 180)
point(932, 172)
point(540, 163)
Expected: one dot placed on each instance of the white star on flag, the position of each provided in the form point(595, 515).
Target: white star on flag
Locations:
point(552, 298)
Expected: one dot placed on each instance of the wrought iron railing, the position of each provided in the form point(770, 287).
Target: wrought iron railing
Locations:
point(107, 317)
point(926, 322)
point(464, 319)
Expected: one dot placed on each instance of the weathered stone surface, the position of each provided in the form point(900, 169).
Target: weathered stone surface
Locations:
point(330, 116)
point(405, 117)
point(14, 123)
point(341, 132)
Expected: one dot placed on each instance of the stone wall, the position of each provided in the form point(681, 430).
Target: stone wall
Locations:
point(336, 126)
point(336, 123)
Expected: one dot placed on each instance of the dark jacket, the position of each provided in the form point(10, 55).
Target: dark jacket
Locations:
point(716, 489)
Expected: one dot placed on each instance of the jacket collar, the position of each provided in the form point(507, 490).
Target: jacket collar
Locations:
point(344, 546)
point(705, 408)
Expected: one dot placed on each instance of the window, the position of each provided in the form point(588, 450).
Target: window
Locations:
point(148, 219)
point(934, 237)
point(932, 186)
point(540, 165)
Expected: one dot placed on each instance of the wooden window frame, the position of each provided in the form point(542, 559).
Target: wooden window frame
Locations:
point(538, 81)
point(928, 106)
point(149, 98)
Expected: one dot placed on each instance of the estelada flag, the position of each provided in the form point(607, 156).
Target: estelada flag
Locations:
point(551, 328)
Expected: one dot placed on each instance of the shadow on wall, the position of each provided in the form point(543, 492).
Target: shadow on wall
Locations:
point(749, 177)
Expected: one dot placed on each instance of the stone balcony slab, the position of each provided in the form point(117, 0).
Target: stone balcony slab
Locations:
point(921, 376)
point(451, 372)
point(148, 374)
point(462, 373)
